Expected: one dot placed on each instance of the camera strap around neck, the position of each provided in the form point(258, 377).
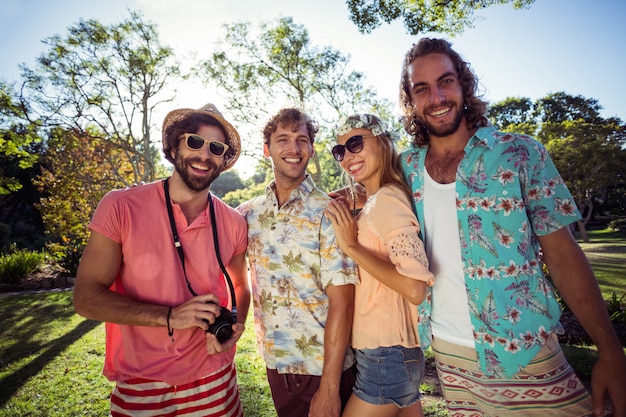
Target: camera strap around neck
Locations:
point(179, 247)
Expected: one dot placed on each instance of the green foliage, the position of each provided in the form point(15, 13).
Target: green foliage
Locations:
point(67, 253)
point(109, 78)
point(226, 182)
point(255, 68)
point(74, 177)
point(420, 17)
point(617, 225)
point(588, 150)
point(17, 137)
point(18, 264)
point(236, 197)
point(511, 114)
point(617, 308)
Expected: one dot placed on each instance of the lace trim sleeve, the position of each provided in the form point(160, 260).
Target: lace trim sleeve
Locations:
point(407, 252)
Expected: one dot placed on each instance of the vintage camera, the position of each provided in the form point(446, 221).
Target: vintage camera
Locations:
point(222, 326)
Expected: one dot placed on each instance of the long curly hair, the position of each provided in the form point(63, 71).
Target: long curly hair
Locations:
point(474, 107)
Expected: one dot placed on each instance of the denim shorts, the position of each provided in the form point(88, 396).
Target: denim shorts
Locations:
point(389, 375)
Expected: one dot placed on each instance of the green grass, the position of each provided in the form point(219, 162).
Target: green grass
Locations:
point(51, 359)
point(51, 362)
point(607, 254)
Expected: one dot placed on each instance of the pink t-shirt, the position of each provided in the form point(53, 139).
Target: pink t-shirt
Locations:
point(151, 271)
point(389, 229)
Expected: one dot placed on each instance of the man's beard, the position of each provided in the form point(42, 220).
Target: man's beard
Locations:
point(445, 129)
point(193, 182)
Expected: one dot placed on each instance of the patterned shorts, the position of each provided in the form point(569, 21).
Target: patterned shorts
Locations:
point(214, 395)
point(547, 386)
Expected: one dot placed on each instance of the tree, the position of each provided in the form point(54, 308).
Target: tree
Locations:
point(254, 70)
point(17, 137)
point(590, 157)
point(20, 146)
point(109, 78)
point(226, 182)
point(560, 107)
point(513, 114)
point(445, 16)
point(588, 150)
point(77, 170)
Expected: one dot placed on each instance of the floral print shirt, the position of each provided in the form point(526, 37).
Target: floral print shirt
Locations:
point(293, 258)
point(508, 192)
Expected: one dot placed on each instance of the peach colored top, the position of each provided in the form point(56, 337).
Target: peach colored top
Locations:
point(389, 229)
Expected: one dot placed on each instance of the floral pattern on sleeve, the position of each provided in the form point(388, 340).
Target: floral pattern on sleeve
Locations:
point(508, 192)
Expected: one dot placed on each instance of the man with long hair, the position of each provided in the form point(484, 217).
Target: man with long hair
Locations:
point(493, 208)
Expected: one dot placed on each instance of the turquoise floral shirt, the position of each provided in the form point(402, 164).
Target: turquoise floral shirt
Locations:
point(293, 258)
point(508, 191)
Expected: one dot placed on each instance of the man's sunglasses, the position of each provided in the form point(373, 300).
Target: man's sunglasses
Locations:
point(196, 142)
point(354, 145)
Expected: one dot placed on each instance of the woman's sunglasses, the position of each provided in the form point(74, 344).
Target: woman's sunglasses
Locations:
point(354, 145)
point(196, 142)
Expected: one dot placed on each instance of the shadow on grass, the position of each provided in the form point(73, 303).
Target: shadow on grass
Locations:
point(582, 359)
point(24, 317)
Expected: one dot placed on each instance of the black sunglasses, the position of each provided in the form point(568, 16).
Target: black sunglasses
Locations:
point(196, 142)
point(354, 145)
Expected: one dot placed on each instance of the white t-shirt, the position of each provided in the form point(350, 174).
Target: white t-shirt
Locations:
point(450, 317)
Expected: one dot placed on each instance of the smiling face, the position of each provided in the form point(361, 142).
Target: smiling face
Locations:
point(290, 149)
point(363, 166)
point(199, 168)
point(436, 94)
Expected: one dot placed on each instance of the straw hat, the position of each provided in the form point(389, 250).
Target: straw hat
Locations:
point(232, 140)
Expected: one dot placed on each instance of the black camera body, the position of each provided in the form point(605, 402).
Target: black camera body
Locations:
point(222, 326)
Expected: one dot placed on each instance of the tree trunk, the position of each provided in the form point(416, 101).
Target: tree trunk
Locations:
point(583, 232)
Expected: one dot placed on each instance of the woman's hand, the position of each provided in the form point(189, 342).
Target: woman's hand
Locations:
point(346, 230)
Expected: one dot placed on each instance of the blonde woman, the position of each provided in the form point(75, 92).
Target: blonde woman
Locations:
point(394, 277)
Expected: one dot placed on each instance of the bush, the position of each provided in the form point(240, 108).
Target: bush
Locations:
point(18, 264)
point(67, 254)
point(617, 225)
point(617, 308)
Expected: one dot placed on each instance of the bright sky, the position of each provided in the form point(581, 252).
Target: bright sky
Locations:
point(576, 46)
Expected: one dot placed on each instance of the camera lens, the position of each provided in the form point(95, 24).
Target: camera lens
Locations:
point(222, 327)
point(223, 332)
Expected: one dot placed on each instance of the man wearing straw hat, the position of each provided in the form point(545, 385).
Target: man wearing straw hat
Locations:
point(158, 268)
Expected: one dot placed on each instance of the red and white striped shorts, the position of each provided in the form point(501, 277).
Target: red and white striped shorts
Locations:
point(215, 395)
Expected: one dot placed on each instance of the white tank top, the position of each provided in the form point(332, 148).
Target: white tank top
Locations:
point(450, 317)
